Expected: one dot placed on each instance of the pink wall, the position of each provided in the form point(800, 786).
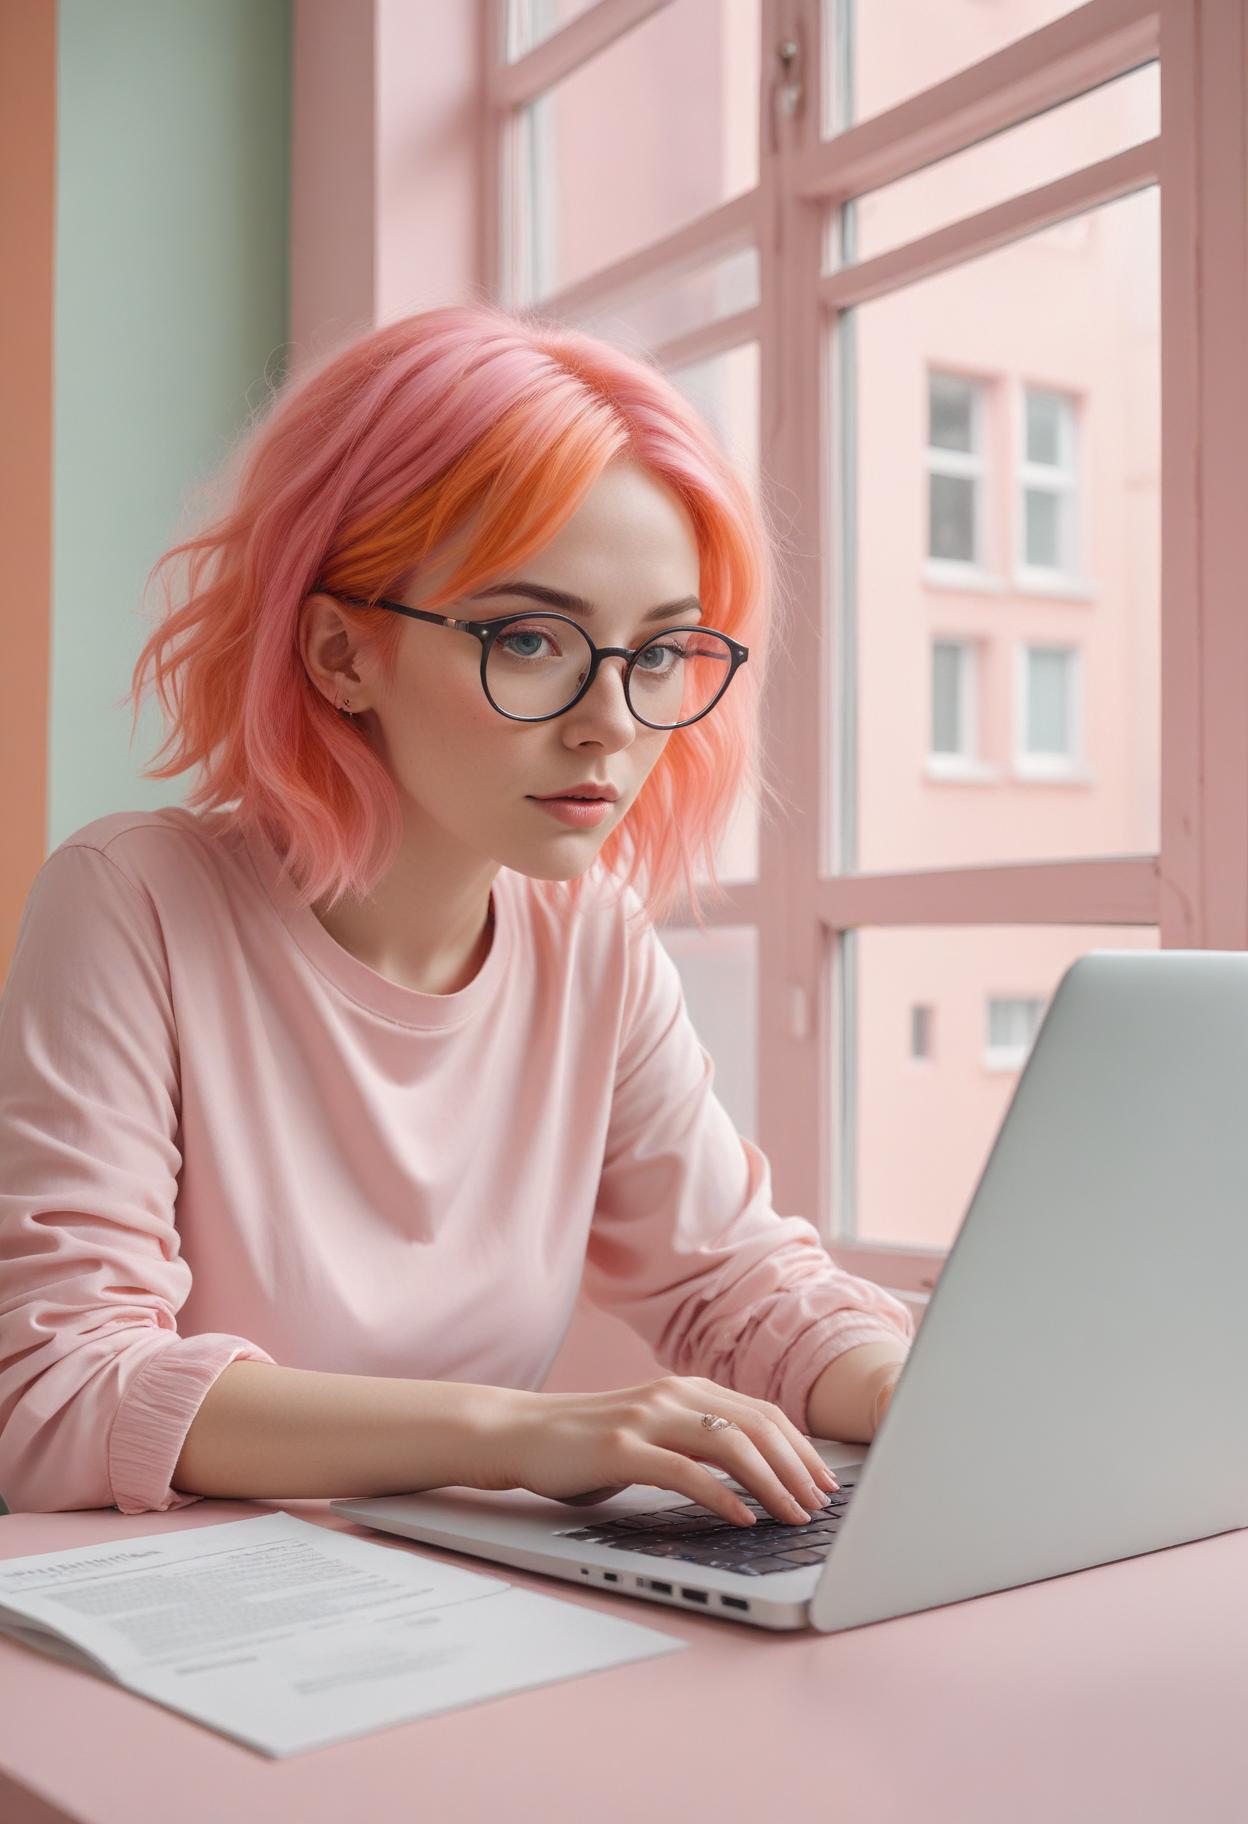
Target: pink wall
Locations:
point(386, 177)
point(28, 158)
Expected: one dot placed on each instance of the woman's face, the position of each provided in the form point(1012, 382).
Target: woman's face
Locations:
point(472, 773)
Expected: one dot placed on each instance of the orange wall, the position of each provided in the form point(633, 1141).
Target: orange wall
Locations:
point(27, 204)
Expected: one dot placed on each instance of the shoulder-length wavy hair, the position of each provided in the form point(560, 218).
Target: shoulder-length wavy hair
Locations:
point(469, 414)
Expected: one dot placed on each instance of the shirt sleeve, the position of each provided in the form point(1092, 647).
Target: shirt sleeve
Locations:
point(97, 1389)
point(685, 1245)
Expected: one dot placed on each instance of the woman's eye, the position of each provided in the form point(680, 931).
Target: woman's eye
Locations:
point(509, 641)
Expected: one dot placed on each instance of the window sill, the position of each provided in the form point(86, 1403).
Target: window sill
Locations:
point(948, 769)
point(1057, 588)
point(1026, 774)
point(943, 574)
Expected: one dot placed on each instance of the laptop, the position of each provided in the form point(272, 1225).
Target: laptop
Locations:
point(1074, 1394)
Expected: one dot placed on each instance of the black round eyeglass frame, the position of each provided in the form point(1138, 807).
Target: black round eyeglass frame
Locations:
point(488, 631)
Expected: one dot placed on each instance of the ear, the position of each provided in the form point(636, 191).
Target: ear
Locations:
point(328, 648)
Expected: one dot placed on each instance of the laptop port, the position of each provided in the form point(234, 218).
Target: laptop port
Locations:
point(734, 1602)
point(656, 1585)
point(695, 1595)
point(611, 1576)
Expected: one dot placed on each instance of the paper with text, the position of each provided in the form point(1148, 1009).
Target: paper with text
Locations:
point(286, 1636)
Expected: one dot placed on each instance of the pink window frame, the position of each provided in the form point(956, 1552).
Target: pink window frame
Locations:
point(1195, 890)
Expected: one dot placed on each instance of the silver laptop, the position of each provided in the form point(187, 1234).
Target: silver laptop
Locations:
point(1075, 1392)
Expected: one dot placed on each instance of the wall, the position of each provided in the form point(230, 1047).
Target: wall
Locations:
point(170, 302)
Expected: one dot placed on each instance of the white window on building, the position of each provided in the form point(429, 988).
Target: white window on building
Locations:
point(1012, 1027)
point(920, 1032)
point(956, 480)
point(1049, 713)
point(954, 724)
point(1048, 490)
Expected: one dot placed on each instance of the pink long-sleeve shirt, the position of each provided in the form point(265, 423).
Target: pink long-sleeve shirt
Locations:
point(222, 1135)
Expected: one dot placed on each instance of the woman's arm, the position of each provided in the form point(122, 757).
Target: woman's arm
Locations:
point(263, 1431)
point(842, 1402)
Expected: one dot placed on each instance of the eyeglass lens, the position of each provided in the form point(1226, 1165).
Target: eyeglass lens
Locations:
point(537, 666)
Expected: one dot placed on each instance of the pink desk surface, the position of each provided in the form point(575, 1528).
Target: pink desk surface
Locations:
point(1117, 1694)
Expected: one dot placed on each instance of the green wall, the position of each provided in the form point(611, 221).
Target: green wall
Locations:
point(171, 304)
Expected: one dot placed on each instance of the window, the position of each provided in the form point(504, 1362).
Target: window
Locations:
point(1050, 731)
point(953, 700)
point(1012, 1028)
point(956, 374)
point(955, 463)
point(1048, 514)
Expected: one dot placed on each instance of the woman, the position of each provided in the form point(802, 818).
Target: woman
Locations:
point(319, 1093)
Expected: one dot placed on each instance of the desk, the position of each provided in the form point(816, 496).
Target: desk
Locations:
point(1117, 1695)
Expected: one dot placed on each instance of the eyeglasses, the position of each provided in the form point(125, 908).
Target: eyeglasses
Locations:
point(693, 665)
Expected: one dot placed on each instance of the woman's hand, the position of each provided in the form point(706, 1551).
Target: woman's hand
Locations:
point(581, 1447)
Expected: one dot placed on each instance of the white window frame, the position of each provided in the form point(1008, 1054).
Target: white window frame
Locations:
point(966, 764)
point(1063, 480)
point(977, 569)
point(1010, 1057)
point(1038, 766)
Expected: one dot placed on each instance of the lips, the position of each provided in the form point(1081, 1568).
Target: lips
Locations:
point(603, 794)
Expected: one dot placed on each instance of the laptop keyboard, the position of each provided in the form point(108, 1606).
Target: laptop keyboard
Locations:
point(694, 1534)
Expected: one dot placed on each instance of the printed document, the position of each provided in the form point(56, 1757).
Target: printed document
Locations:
point(286, 1635)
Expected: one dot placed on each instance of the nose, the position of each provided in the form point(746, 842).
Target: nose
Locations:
point(606, 699)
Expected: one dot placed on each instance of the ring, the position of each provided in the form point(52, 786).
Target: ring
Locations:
point(713, 1424)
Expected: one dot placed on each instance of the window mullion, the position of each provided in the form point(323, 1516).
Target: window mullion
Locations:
point(795, 1099)
point(1204, 456)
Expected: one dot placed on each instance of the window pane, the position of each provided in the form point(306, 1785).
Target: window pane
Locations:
point(529, 22)
point(701, 297)
point(919, 1138)
point(1013, 1024)
point(628, 148)
point(1043, 547)
point(1048, 702)
point(880, 52)
point(1090, 325)
point(950, 413)
point(719, 972)
point(952, 530)
point(1108, 119)
point(920, 1032)
point(725, 390)
point(946, 699)
point(1045, 413)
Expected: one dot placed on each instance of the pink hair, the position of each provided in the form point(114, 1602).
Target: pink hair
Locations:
point(364, 464)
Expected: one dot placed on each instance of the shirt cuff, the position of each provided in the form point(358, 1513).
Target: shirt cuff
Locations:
point(151, 1423)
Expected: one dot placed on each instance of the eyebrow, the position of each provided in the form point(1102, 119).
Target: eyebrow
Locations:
point(576, 604)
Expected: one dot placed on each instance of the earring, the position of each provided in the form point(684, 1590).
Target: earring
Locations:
point(343, 703)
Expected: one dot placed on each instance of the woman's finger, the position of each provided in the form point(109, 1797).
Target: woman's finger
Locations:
point(672, 1469)
point(792, 1456)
